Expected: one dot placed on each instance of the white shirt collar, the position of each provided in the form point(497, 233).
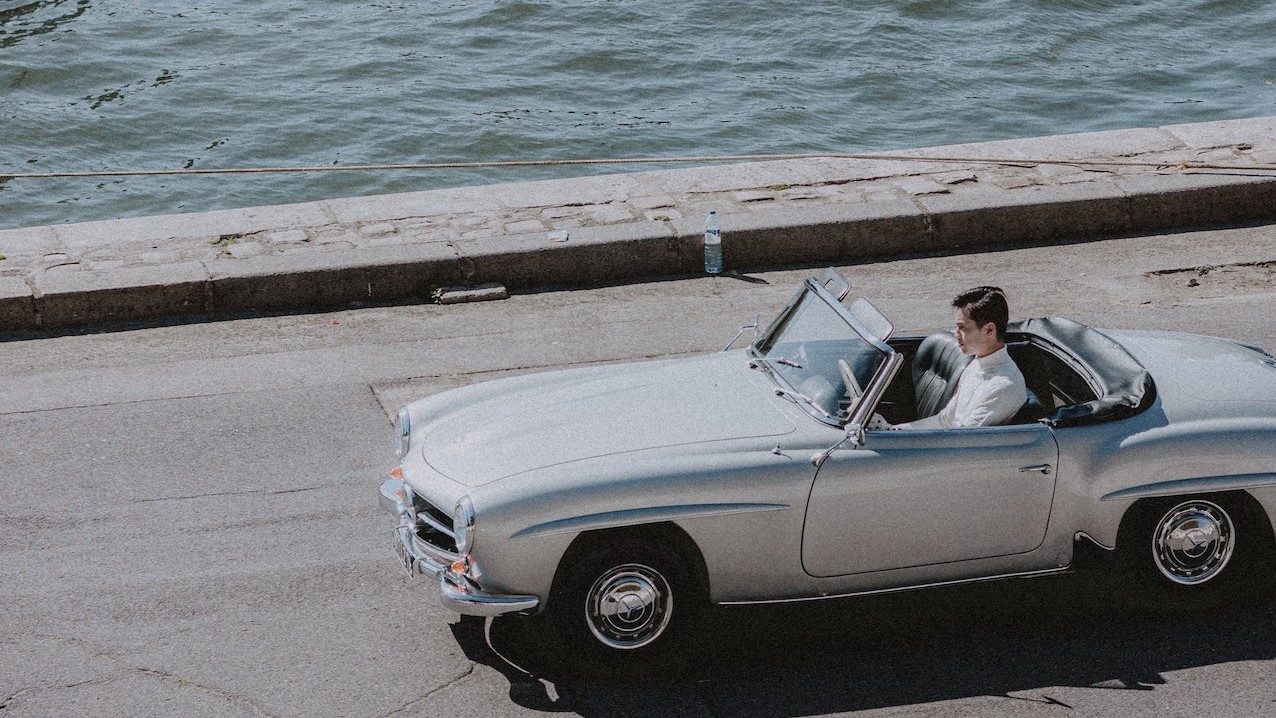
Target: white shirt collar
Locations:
point(993, 361)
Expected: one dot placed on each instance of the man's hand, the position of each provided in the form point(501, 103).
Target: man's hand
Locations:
point(877, 423)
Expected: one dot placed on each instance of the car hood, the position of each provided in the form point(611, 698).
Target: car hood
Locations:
point(521, 424)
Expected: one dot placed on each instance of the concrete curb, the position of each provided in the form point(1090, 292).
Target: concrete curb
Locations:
point(389, 248)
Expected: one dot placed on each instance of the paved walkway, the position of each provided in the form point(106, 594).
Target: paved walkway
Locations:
point(643, 224)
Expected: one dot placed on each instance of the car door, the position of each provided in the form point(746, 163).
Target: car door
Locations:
point(916, 498)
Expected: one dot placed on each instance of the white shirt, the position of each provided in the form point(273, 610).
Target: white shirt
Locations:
point(989, 392)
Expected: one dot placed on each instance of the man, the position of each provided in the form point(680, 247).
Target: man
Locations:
point(991, 388)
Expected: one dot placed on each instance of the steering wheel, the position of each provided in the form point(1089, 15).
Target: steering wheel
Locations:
point(853, 390)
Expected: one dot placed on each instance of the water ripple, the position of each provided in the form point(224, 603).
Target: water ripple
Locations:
point(167, 84)
point(26, 20)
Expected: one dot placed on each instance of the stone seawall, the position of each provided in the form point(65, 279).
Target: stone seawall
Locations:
point(641, 225)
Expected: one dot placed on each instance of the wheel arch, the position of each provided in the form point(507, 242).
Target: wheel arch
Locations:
point(1252, 515)
point(666, 532)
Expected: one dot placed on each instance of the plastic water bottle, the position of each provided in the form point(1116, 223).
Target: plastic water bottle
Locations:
point(712, 244)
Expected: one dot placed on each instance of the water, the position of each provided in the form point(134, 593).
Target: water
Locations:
point(161, 84)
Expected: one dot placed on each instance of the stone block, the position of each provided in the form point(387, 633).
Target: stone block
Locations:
point(992, 218)
point(659, 201)
point(610, 214)
point(289, 236)
point(241, 250)
point(478, 293)
point(1108, 143)
point(552, 193)
point(1257, 131)
point(326, 279)
point(752, 195)
point(69, 298)
point(525, 226)
point(788, 236)
point(918, 186)
point(249, 220)
point(632, 249)
point(1016, 181)
point(379, 229)
point(1191, 200)
point(28, 241)
point(17, 306)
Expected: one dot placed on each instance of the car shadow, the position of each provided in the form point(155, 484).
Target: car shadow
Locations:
point(1012, 639)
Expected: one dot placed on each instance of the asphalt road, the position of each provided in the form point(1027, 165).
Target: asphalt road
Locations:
point(189, 524)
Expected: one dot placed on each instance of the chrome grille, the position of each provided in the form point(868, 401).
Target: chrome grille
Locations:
point(433, 526)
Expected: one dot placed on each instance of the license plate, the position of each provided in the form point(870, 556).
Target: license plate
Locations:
point(409, 563)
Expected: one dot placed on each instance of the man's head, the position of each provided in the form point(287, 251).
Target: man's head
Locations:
point(980, 316)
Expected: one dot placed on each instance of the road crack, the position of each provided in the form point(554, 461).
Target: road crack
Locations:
point(432, 692)
point(128, 669)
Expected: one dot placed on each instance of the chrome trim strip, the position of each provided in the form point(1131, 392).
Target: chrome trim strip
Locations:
point(982, 430)
point(1083, 535)
point(1203, 485)
point(877, 388)
point(901, 589)
point(628, 517)
point(435, 524)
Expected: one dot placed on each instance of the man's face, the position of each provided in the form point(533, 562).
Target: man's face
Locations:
point(978, 340)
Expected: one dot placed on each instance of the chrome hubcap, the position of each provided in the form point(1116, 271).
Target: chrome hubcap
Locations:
point(1193, 542)
point(629, 606)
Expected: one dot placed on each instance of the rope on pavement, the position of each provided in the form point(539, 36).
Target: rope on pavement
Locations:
point(1181, 165)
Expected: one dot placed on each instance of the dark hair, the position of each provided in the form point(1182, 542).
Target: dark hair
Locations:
point(986, 304)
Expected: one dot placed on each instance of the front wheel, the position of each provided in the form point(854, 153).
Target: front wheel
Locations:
point(625, 602)
point(629, 606)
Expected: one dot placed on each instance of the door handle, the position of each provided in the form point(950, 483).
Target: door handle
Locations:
point(1043, 468)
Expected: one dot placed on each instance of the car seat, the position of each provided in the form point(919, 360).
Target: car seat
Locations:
point(936, 367)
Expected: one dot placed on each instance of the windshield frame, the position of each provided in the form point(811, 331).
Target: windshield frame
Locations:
point(884, 372)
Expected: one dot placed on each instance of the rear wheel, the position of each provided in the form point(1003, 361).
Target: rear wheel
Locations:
point(1184, 551)
point(1193, 542)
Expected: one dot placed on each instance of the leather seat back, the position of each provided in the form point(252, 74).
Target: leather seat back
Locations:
point(1031, 411)
point(936, 367)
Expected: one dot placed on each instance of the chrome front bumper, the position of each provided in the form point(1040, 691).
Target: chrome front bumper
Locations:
point(458, 591)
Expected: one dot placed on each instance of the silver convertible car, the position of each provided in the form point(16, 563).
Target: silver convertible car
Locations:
point(615, 502)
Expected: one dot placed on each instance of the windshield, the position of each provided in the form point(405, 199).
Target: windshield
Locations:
point(821, 354)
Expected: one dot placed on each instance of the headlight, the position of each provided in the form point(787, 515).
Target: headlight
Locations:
point(403, 433)
point(463, 524)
